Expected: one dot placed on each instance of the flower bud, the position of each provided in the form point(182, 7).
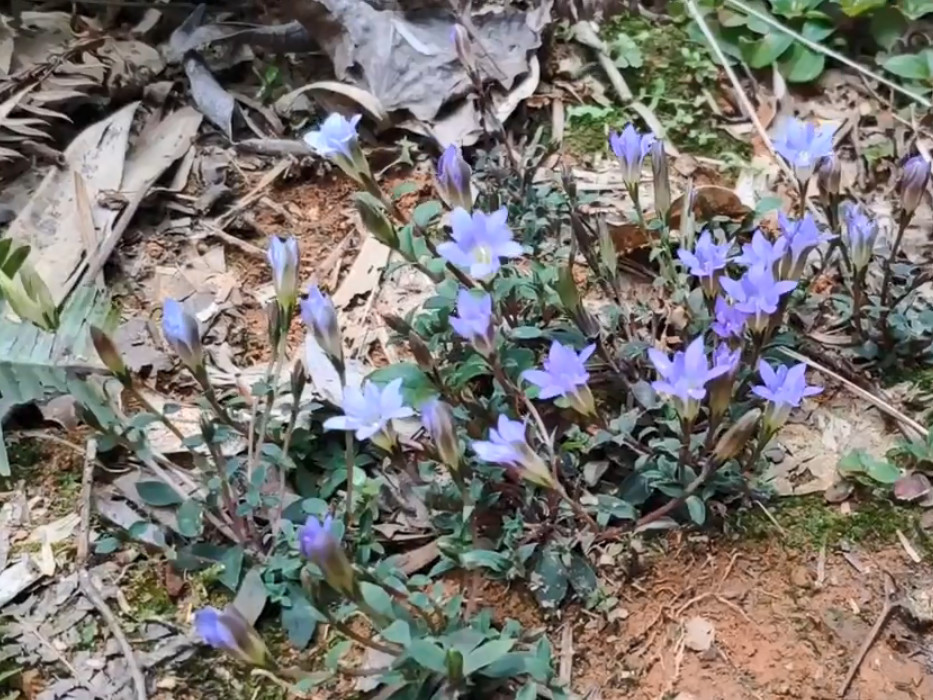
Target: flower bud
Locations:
point(421, 352)
point(913, 183)
point(319, 314)
point(661, 180)
point(109, 355)
point(397, 324)
point(438, 419)
point(374, 218)
point(460, 38)
point(207, 428)
point(568, 181)
point(283, 259)
point(570, 299)
point(829, 178)
point(228, 631)
point(318, 545)
point(298, 380)
point(453, 179)
point(181, 332)
point(732, 443)
point(29, 298)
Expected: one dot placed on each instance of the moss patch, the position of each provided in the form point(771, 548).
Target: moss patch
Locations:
point(672, 74)
point(810, 522)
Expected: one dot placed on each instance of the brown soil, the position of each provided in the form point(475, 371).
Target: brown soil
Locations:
point(780, 630)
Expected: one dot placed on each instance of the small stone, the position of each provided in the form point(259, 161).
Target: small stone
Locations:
point(775, 454)
point(800, 577)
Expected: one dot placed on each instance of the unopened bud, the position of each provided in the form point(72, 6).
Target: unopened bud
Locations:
point(298, 380)
point(454, 179)
point(454, 663)
point(29, 298)
point(229, 631)
point(463, 47)
point(829, 178)
point(421, 352)
point(568, 181)
point(913, 183)
point(109, 355)
point(274, 321)
point(374, 218)
point(735, 438)
point(438, 419)
point(687, 220)
point(283, 259)
point(607, 248)
point(207, 429)
point(320, 316)
point(661, 180)
point(317, 543)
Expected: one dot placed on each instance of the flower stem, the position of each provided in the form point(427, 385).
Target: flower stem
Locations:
point(578, 509)
point(901, 228)
point(286, 444)
point(350, 461)
point(858, 288)
point(349, 633)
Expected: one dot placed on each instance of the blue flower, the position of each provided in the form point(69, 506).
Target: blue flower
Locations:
point(475, 321)
point(369, 412)
point(761, 251)
point(318, 314)
point(783, 390)
point(803, 145)
point(859, 236)
point(757, 294)
point(317, 544)
point(730, 322)
point(565, 374)
point(507, 446)
point(453, 179)
point(336, 137)
point(283, 258)
point(706, 261)
point(229, 632)
point(631, 147)
point(684, 376)
point(181, 332)
point(479, 241)
point(801, 237)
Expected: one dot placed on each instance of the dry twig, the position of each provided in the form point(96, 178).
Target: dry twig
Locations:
point(84, 578)
point(890, 605)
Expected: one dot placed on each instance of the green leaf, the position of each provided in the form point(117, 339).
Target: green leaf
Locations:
point(336, 652)
point(860, 462)
point(915, 9)
point(403, 188)
point(376, 597)
point(426, 212)
point(398, 632)
point(484, 559)
point(252, 595)
point(106, 545)
point(488, 653)
point(582, 577)
point(697, 509)
point(512, 664)
point(854, 8)
point(910, 66)
point(887, 26)
point(232, 561)
point(428, 655)
point(765, 51)
point(416, 386)
point(815, 30)
point(625, 52)
point(526, 333)
point(550, 579)
point(801, 65)
point(189, 518)
point(14, 261)
point(157, 493)
point(299, 619)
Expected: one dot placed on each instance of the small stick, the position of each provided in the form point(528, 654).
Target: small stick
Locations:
point(889, 606)
point(84, 578)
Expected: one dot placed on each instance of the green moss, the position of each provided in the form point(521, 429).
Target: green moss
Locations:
point(673, 78)
point(810, 522)
point(147, 595)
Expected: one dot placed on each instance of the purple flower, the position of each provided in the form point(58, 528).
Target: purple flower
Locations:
point(724, 356)
point(453, 179)
point(631, 147)
point(730, 322)
point(684, 377)
point(757, 294)
point(913, 183)
point(336, 137)
point(369, 412)
point(565, 374)
point(801, 237)
point(319, 314)
point(829, 177)
point(706, 261)
point(479, 241)
point(283, 258)
point(228, 631)
point(761, 251)
point(317, 544)
point(507, 446)
point(803, 145)
point(784, 390)
point(475, 321)
point(720, 388)
point(438, 420)
point(181, 332)
point(859, 236)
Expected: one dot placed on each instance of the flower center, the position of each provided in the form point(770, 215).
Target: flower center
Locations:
point(482, 254)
